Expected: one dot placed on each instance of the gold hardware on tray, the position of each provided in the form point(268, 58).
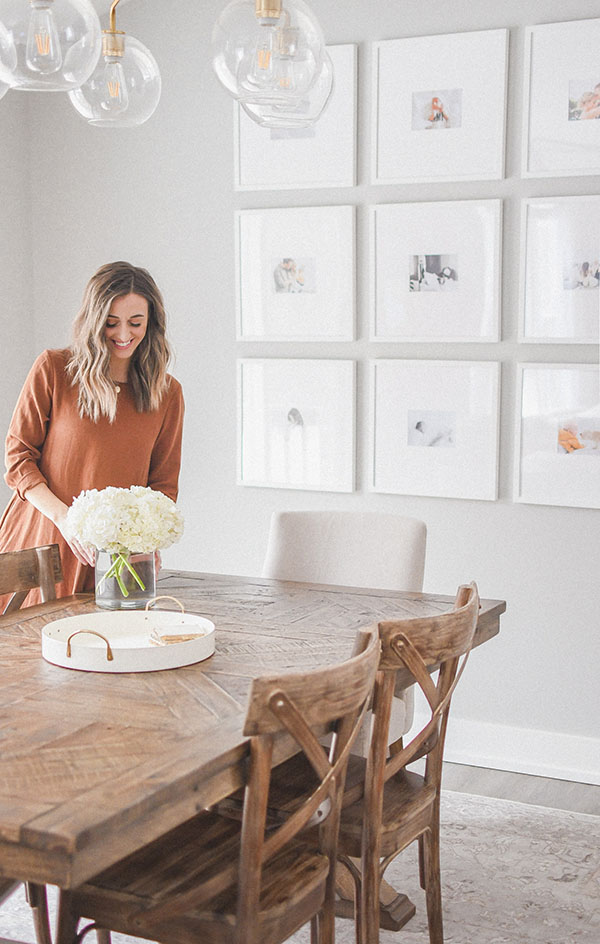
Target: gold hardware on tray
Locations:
point(156, 599)
point(92, 632)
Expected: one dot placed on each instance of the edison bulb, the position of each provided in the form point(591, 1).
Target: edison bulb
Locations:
point(116, 97)
point(123, 91)
point(48, 45)
point(261, 68)
point(42, 51)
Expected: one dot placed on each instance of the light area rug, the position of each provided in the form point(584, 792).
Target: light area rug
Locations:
point(511, 873)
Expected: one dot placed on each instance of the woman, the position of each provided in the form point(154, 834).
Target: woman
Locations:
point(102, 412)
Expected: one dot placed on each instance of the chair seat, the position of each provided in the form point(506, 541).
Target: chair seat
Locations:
point(188, 857)
point(406, 800)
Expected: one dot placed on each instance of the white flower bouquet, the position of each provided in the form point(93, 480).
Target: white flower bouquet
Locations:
point(122, 522)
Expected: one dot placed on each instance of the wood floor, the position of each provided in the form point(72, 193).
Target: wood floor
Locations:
point(540, 791)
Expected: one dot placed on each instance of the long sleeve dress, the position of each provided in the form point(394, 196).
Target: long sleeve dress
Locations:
point(48, 441)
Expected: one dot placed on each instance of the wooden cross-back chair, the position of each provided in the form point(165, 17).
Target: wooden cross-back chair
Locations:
point(31, 569)
point(216, 879)
point(20, 572)
point(387, 806)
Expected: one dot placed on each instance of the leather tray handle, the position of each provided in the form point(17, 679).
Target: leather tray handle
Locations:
point(174, 599)
point(92, 632)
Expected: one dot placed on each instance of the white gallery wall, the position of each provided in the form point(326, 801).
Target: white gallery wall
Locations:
point(162, 196)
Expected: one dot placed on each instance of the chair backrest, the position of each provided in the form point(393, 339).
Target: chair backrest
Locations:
point(411, 649)
point(352, 549)
point(22, 571)
point(296, 706)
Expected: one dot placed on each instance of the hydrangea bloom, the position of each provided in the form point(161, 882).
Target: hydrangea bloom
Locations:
point(134, 520)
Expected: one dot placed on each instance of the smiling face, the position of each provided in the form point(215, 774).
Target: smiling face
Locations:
point(125, 329)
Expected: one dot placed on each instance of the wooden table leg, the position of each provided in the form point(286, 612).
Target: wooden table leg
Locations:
point(395, 909)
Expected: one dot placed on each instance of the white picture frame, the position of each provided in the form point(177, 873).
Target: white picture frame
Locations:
point(435, 428)
point(557, 450)
point(323, 155)
point(560, 270)
point(295, 274)
point(561, 59)
point(440, 107)
point(296, 423)
point(436, 271)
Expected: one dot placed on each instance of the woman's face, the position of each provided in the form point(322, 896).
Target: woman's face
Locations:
point(126, 325)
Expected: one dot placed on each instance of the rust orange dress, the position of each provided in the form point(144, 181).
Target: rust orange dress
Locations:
point(49, 442)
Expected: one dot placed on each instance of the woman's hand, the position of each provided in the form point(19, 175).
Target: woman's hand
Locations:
point(53, 508)
point(83, 555)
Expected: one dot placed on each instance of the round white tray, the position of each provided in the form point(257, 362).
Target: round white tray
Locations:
point(75, 642)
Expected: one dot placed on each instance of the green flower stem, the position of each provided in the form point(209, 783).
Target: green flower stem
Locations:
point(119, 563)
point(133, 573)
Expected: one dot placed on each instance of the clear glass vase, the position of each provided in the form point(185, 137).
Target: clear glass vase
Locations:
point(125, 581)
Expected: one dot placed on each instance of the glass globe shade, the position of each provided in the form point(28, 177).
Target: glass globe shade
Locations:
point(8, 58)
point(268, 60)
point(137, 77)
point(302, 113)
point(55, 44)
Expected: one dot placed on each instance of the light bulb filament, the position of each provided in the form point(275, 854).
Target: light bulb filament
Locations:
point(42, 41)
point(43, 53)
point(263, 58)
point(114, 88)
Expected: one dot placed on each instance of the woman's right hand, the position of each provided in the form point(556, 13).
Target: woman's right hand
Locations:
point(56, 510)
point(83, 555)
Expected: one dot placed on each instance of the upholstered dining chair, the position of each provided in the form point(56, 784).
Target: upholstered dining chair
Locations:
point(351, 549)
point(20, 572)
point(216, 879)
point(386, 806)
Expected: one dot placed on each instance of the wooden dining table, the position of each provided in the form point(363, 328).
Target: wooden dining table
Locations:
point(95, 765)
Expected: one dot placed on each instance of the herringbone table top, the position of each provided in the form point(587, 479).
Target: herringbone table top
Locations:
point(94, 765)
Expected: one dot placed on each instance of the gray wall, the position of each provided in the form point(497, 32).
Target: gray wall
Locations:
point(162, 196)
point(16, 272)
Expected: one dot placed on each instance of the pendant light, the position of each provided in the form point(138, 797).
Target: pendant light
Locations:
point(8, 55)
point(296, 114)
point(269, 55)
point(53, 44)
point(124, 89)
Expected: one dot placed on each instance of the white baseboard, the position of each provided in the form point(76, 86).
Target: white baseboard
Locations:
point(522, 750)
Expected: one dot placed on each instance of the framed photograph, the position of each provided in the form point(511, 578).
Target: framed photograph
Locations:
point(323, 155)
point(561, 133)
point(440, 107)
point(295, 274)
point(558, 435)
point(435, 428)
point(436, 271)
point(560, 272)
point(296, 421)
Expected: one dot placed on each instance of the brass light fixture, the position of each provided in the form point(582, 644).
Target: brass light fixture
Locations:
point(124, 89)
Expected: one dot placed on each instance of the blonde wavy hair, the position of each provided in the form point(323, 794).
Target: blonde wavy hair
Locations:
point(89, 364)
